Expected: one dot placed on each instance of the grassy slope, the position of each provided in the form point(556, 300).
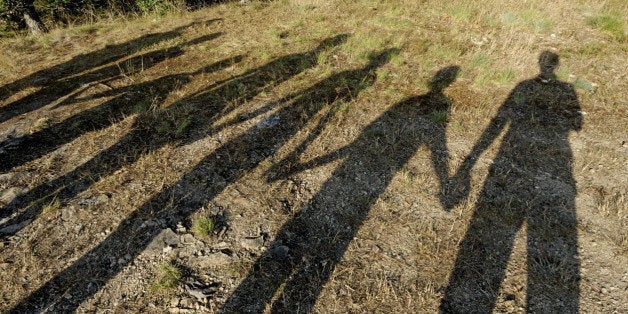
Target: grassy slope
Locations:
point(406, 246)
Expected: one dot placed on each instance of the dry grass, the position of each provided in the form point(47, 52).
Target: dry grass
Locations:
point(128, 121)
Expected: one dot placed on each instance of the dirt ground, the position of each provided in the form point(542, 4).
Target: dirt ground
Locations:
point(340, 174)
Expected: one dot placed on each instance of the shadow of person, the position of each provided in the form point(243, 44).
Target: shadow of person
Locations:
point(32, 146)
point(60, 80)
point(306, 249)
point(210, 103)
point(222, 167)
point(530, 180)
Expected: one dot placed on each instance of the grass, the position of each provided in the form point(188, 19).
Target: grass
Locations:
point(406, 245)
point(52, 208)
point(611, 24)
point(42, 123)
point(203, 226)
point(168, 277)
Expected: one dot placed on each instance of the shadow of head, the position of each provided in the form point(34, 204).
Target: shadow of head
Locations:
point(548, 62)
point(331, 42)
point(444, 77)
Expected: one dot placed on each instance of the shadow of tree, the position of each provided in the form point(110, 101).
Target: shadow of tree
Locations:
point(59, 80)
point(289, 276)
point(531, 181)
point(225, 165)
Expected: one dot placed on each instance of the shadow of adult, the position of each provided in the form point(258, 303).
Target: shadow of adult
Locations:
point(60, 80)
point(210, 104)
point(309, 245)
point(530, 180)
point(125, 102)
point(209, 177)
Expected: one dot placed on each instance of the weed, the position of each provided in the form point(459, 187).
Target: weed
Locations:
point(52, 208)
point(168, 277)
point(203, 226)
point(42, 123)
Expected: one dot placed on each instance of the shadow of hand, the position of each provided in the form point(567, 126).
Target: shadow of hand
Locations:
point(455, 190)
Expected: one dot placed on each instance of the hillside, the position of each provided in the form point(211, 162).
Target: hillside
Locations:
point(319, 156)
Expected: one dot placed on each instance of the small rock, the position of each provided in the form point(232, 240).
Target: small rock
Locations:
point(68, 214)
point(187, 239)
point(78, 227)
point(174, 302)
point(165, 238)
point(252, 243)
point(181, 228)
point(267, 122)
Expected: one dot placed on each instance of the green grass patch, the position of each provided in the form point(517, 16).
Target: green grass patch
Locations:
point(440, 117)
point(183, 127)
point(42, 123)
point(610, 24)
point(142, 106)
point(505, 77)
point(481, 61)
point(462, 13)
point(168, 277)
point(532, 19)
point(203, 226)
point(583, 84)
point(51, 208)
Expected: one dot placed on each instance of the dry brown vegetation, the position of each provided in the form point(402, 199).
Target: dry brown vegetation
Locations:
point(306, 132)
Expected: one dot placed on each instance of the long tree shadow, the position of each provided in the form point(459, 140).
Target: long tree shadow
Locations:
point(225, 165)
point(147, 134)
point(128, 100)
point(529, 181)
point(309, 245)
point(60, 80)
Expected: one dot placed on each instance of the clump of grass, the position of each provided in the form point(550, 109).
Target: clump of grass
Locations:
point(583, 84)
point(168, 277)
point(142, 106)
point(440, 116)
point(52, 207)
point(481, 61)
point(42, 124)
point(532, 19)
point(183, 127)
point(203, 226)
point(164, 128)
point(505, 77)
point(611, 24)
